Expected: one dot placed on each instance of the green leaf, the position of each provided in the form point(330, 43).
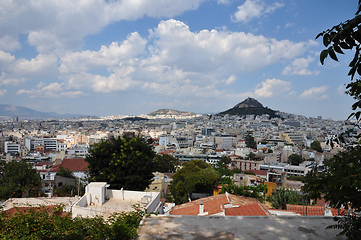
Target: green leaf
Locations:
point(332, 54)
point(323, 55)
point(345, 45)
point(352, 72)
point(326, 39)
point(350, 41)
point(337, 48)
point(320, 34)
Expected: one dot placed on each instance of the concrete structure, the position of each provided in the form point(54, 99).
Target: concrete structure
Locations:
point(99, 200)
point(229, 227)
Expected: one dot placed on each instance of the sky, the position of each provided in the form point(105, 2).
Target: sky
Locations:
point(132, 57)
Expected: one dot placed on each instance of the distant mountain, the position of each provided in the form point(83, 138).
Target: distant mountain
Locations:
point(7, 110)
point(248, 107)
point(170, 112)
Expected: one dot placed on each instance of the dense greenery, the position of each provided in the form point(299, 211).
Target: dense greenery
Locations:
point(122, 162)
point(295, 159)
point(18, 179)
point(50, 223)
point(344, 36)
point(340, 184)
point(316, 145)
point(250, 142)
point(281, 197)
point(247, 191)
point(195, 176)
point(165, 163)
point(250, 111)
point(65, 172)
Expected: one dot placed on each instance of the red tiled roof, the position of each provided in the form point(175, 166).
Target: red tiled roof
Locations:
point(74, 165)
point(313, 210)
point(43, 163)
point(259, 172)
point(241, 206)
point(254, 209)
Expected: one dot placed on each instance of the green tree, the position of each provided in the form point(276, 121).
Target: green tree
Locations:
point(224, 162)
point(65, 172)
point(122, 162)
point(194, 176)
point(17, 179)
point(316, 145)
point(340, 184)
point(281, 197)
point(165, 163)
point(295, 159)
point(346, 36)
point(249, 139)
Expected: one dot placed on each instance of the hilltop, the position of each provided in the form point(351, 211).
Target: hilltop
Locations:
point(248, 107)
point(171, 112)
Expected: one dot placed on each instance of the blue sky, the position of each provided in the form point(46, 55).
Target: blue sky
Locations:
point(112, 57)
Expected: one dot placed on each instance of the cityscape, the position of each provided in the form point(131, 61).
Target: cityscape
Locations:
point(182, 119)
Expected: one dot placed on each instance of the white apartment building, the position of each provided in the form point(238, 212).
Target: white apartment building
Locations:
point(12, 147)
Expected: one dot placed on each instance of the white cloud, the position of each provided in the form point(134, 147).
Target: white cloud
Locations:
point(178, 62)
point(254, 9)
point(272, 87)
point(9, 43)
point(341, 90)
point(288, 25)
point(230, 80)
point(110, 56)
point(223, 2)
point(55, 25)
point(2, 92)
point(50, 91)
point(6, 58)
point(299, 66)
point(315, 92)
point(40, 65)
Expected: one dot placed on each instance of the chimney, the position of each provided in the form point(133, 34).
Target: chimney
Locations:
point(201, 208)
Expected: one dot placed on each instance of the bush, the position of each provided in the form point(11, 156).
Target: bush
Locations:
point(51, 223)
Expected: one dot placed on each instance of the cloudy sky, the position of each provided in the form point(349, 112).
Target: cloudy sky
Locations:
point(127, 57)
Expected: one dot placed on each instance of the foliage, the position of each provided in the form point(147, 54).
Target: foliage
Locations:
point(340, 182)
point(269, 151)
point(295, 159)
point(165, 163)
point(249, 173)
point(226, 180)
point(344, 36)
point(17, 179)
point(247, 191)
point(65, 172)
point(194, 176)
point(316, 145)
point(281, 197)
point(68, 190)
point(50, 223)
point(296, 178)
point(224, 162)
point(122, 162)
point(250, 142)
point(251, 156)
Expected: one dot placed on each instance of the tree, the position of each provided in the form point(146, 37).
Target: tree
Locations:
point(194, 176)
point(165, 163)
point(281, 197)
point(340, 184)
point(250, 142)
point(316, 145)
point(65, 172)
point(224, 162)
point(344, 36)
point(295, 159)
point(122, 162)
point(17, 179)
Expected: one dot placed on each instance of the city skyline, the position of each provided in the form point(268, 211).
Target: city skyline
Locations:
point(133, 57)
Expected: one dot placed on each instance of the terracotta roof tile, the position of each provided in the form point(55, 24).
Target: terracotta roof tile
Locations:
point(313, 210)
point(242, 206)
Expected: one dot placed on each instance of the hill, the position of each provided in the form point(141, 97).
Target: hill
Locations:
point(7, 110)
point(170, 112)
point(250, 106)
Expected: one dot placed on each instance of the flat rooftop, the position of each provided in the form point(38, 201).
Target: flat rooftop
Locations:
point(39, 201)
point(242, 228)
